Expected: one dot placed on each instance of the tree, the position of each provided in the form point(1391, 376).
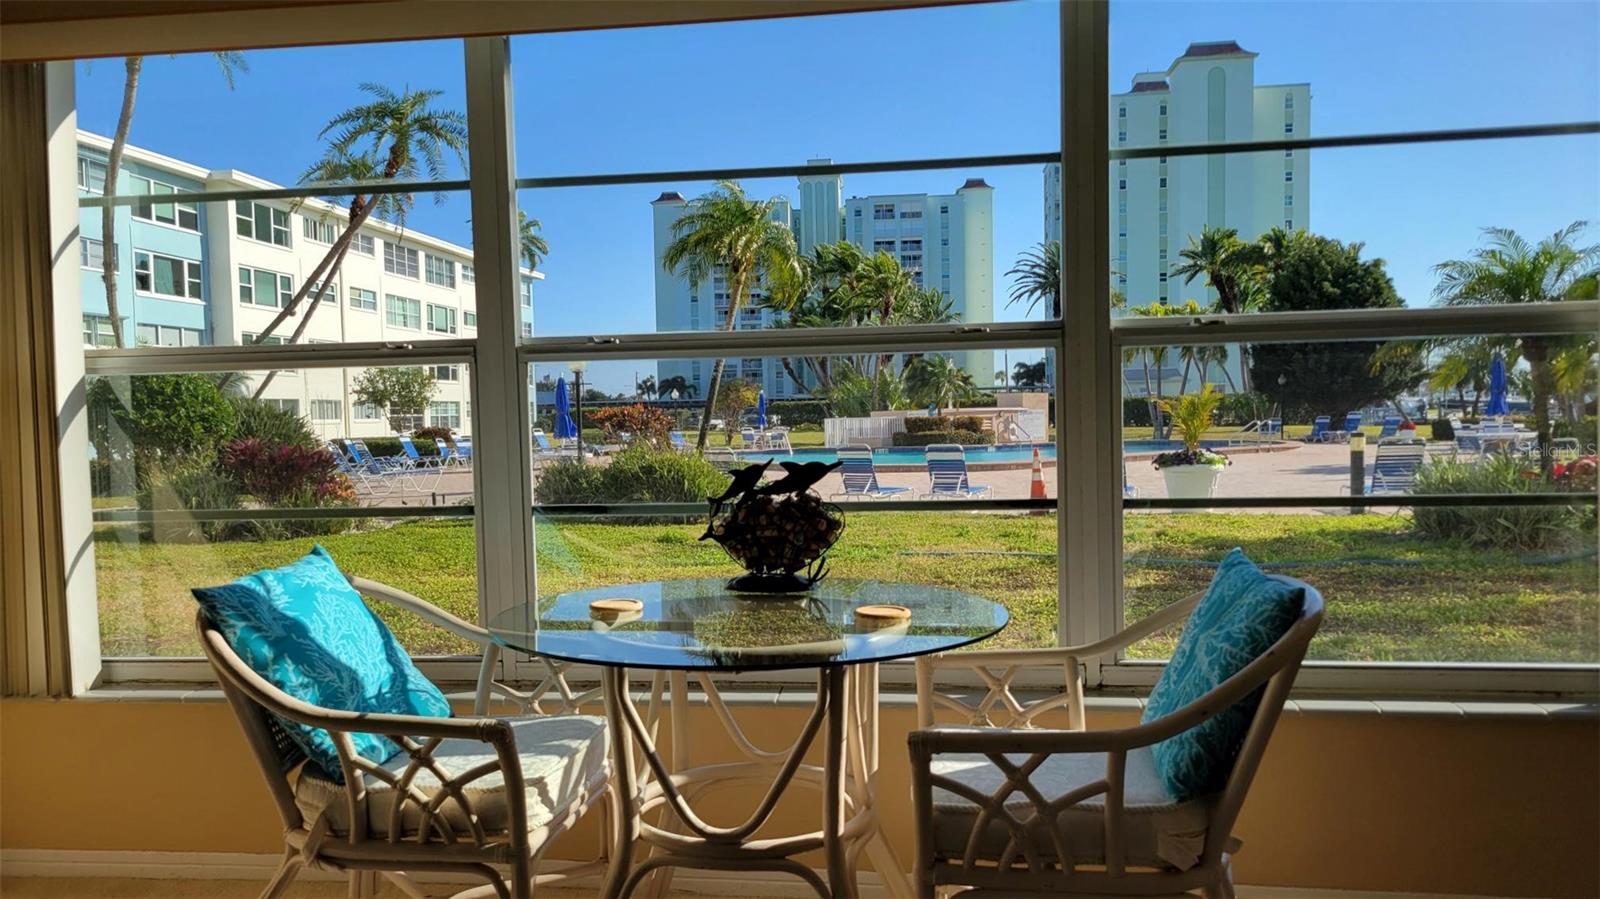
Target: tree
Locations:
point(1038, 274)
point(1320, 273)
point(733, 397)
point(677, 383)
point(394, 136)
point(1026, 375)
point(724, 232)
point(1230, 266)
point(936, 380)
point(1511, 270)
point(530, 243)
point(646, 388)
point(232, 63)
point(402, 393)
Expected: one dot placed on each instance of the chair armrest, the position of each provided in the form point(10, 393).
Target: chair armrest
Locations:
point(422, 609)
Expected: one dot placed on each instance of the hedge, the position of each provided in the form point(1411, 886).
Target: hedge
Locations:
point(928, 438)
point(798, 412)
point(945, 424)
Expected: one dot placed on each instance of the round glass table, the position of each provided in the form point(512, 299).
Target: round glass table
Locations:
point(686, 629)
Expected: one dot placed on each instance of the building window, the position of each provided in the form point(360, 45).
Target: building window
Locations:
point(527, 293)
point(441, 319)
point(1163, 109)
point(1122, 184)
point(179, 215)
point(167, 335)
point(944, 210)
point(883, 211)
point(1162, 183)
point(468, 273)
point(249, 338)
point(363, 299)
point(92, 254)
point(320, 230)
point(1288, 127)
point(1162, 134)
point(331, 297)
point(883, 246)
point(363, 244)
point(258, 221)
point(97, 332)
point(290, 406)
point(944, 241)
point(1122, 137)
point(1288, 176)
point(1288, 224)
point(439, 270)
point(469, 319)
point(259, 287)
point(398, 260)
point(91, 175)
point(402, 312)
point(445, 415)
point(1122, 112)
point(1288, 101)
point(857, 212)
point(911, 213)
point(325, 410)
point(446, 373)
point(527, 328)
point(366, 412)
point(166, 276)
point(1288, 154)
point(1288, 199)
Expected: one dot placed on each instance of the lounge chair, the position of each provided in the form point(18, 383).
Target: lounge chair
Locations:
point(448, 452)
point(749, 438)
point(1352, 424)
point(778, 441)
point(464, 449)
point(357, 472)
point(1271, 429)
point(1395, 468)
point(1319, 430)
point(947, 472)
point(860, 476)
point(415, 459)
point(677, 440)
point(1391, 427)
point(723, 458)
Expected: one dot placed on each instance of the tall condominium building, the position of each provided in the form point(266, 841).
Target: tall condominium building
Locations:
point(946, 241)
point(1207, 95)
point(192, 274)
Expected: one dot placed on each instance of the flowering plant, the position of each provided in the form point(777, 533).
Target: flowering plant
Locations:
point(1191, 417)
point(1190, 457)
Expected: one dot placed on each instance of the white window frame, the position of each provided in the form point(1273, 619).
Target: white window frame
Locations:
point(321, 405)
point(452, 319)
point(274, 229)
point(86, 167)
point(86, 258)
point(179, 208)
point(283, 287)
point(192, 278)
point(360, 304)
point(364, 243)
point(319, 229)
point(402, 261)
point(404, 304)
point(1088, 347)
point(439, 270)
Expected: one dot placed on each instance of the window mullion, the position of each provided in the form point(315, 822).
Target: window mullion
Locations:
point(1088, 423)
point(504, 490)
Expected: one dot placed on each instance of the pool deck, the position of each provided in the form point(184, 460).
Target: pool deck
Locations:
point(1285, 469)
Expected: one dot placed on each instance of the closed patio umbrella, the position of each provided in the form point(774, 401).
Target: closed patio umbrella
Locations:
point(1497, 388)
point(564, 427)
point(761, 409)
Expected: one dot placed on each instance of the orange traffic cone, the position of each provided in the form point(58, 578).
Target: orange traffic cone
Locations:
point(1037, 490)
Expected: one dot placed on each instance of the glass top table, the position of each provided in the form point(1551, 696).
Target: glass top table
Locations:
point(700, 624)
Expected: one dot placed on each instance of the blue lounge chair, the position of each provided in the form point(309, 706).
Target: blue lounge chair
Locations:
point(448, 453)
point(860, 477)
point(1271, 429)
point(1391, 427)
point(1395, 468)
point(947, 472)
point(1352, 424)
point(464, 449)
point(379, 465)
point(1319, 430)
point(415, 459)
point(675, 438)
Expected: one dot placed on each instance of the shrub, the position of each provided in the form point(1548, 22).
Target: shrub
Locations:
point(928, 438)
point(643, 423)
point(978, 400)
point(1502, 527)
point(1237, 408)
point(390, 446)
point(189, 484)
point(1585, 431)
point(1443, 429)
point(637, 474)
point(424, 437)
point(280, 474)
point(1135, 412)
point(259, 420)
point(925, 424)
point(161, 416)
point(795, 413)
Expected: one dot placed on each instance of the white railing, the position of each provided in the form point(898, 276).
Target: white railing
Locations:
point(875, 431)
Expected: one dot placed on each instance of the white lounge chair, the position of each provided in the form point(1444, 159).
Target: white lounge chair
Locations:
point(947, 472)
point(860, 476)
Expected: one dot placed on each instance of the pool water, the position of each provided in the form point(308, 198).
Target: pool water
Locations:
point(913, 455)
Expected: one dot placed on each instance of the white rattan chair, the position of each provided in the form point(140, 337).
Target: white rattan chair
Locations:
point(1023, 809)
point(480, 796)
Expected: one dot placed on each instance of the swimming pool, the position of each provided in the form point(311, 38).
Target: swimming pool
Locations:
point(1012, 455)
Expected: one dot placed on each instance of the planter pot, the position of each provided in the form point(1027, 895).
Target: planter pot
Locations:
point(1192, 481)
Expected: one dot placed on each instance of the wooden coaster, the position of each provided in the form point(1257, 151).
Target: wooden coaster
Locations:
point(882, 614)
point(612, 608)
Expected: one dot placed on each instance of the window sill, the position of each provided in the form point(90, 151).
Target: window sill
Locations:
point(798, 696)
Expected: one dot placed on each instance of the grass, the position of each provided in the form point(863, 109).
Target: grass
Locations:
point(1392, 596)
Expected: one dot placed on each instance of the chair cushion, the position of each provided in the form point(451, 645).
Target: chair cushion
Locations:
point(1159, 831)
point(563, 758)
point(306, 630)
point(1242, 614)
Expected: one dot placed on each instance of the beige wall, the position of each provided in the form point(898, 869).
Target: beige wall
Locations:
point(1476, 806)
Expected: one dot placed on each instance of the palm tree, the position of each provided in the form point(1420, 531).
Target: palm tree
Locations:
point(1038, 274)
point(1510, 270)
point(938, 381)
point(529, 241)
point(232, 63)
point(725, 232)
point(394, 136)
point(1230, 266)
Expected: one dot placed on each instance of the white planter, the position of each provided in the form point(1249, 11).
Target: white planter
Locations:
point(1192, 481)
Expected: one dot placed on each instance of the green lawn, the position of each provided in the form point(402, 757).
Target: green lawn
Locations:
point(1391, 596)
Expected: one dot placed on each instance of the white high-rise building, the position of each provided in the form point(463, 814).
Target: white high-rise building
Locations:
point(946, 241)
point(1207, 95)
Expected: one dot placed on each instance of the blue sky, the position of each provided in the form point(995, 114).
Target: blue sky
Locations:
point(929, 83)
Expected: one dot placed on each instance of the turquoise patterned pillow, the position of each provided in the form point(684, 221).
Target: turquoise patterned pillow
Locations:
point(1240, 617)
point(306, 630)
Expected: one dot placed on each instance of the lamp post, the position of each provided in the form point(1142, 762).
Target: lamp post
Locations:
point(577, 382)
